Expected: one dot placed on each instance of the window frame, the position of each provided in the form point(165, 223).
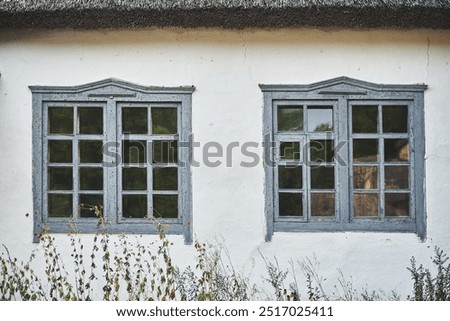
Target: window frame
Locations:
point(110, 94)
point(343, 91)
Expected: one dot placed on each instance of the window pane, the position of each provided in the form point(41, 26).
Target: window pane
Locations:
point(60, 151)
point(134, 206)
point(90, 204)
point(365, 177)
point(91, 151)
point(60, 120)
point(365, 204)
point(321, 151)
point(396, 177)
point(289, 177)
point(365, 150)
point(395, 119)
point(60, 178)
point(90, 120)
point(397, 204)
point(134, 179)
point(134, 151)
point(165, 206)
point(290, 150)
point(91, 179)
point(165, 179)
point(365, 119)
point(396, 150)
point(290, 118)
point(322, 204)
point(320, 119)
point(135, 120)
point(322, 178)
point(165, 152)
point(59, 205)
point(290, 204)
point(164, 121)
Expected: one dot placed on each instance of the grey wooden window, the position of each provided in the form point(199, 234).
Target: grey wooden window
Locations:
point(114, 151)
point(344, 155)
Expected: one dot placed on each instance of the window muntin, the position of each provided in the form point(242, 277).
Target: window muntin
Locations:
point(148, 179)
point(376, 134)
point(305, 143)
point(115, 147)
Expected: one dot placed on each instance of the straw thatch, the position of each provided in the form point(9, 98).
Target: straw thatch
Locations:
point(225, 14)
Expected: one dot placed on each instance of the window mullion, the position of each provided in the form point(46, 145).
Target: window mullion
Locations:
point(343, 190)
point(110, 211)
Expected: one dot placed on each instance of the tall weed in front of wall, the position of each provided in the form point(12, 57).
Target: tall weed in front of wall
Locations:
point(123, 268)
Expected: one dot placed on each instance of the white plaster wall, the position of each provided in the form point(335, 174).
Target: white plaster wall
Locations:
point(226, 68)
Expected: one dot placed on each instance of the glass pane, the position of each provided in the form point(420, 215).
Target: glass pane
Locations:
point(397, 204)
point(290, 118)
point(165, 152)
point(91, 205)
point(90, 120)
point(365, 204)
point(59, 205)
point(365, 177)
point(134, 151)
point(60, 120)
point(60, 151)
point(91, 179)
point(91, 151)
point(165, 179)
point(60, 178)
point(165, 206)
point(134, 179)
point(395, 119)
point(164, 121)
point(322, 178)
point(322, 204)
point(134, 206)
point(290, 150)
point(321, 151)
point(320, 119)
point(364, 119)
point(396, 150)
point(134, 120)
point(290, 204)
point(289, 177)
point(396, 177)
point(365, 150)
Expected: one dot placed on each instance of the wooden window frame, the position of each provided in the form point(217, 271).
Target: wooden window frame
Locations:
point(110, 94)
point(344, 91)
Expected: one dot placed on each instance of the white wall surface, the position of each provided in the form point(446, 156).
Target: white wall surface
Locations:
point(226, 68)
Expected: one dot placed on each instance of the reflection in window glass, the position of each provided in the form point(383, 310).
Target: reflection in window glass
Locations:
point(290, 204)
point(396, 150)
point(320, 119)
point(90, 120)
point(290, 150)
point(365, 150)
point(60, 120)
point(290, 118)
point(396, 204)
point(365, 177)
point(395, 119)
point(365, 119)
point(322, 204)
point(365, 204)
point(164, 120)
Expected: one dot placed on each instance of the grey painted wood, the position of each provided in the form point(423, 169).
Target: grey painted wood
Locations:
point(109, 94)
point(346, 92)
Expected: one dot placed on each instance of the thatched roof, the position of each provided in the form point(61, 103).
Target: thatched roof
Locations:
point(225, 13)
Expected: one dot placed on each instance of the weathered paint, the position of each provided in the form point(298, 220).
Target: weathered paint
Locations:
point(226, 67)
